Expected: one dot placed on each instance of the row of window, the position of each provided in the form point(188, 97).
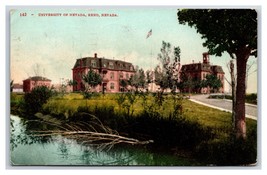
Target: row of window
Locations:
point(110, 65)
point(121, 75)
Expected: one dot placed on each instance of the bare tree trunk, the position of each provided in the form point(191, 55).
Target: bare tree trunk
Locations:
point(232, 72)
point(240, 120)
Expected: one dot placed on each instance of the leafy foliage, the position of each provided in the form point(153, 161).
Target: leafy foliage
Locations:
point(138, 80)
point(229, 152)
point(166, 74)
point(91, 80)
point(238, 27)
point(72, 83)
point(124, 83)
point(237, 36)
point(34, 100)
point(149, 76)
point(186, 82)
point(174, 125)
point(213, 82)
point(189, 84)
point(15, 103)
point(251, 98)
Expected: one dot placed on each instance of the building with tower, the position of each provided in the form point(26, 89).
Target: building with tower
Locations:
point(198, 72)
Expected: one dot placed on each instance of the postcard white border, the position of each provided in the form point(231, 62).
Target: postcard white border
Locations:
point(125, 170)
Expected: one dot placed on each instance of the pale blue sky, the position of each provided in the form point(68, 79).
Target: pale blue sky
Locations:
point(54, 43)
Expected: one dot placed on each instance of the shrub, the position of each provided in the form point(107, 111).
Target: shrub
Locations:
point(251, 98)
point(169, 132)
point(34, 100)
point(229, 151)
point(15, 103)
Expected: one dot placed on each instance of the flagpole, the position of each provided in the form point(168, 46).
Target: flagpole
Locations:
point(152, 84)
point(149, 35)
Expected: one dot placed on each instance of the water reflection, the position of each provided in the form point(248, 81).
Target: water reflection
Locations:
point(27, 149)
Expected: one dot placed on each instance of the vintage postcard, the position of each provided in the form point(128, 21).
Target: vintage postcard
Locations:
point(133, 86)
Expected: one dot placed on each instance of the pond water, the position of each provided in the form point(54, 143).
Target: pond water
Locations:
point(26, 149)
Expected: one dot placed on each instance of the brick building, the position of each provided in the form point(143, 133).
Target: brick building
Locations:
point(111, 71)
point(35, 81)
point(198, 71)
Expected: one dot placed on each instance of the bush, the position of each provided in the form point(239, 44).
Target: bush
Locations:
point(251, 98)
point(34, 100)
point(222, 96)
point(169, 132)
point(230, 151)
point(167, 124)
point(15, 103)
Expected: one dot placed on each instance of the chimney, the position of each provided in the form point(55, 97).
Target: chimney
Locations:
point(95, 55)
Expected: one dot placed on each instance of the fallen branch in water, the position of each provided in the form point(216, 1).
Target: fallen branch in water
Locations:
point(94, 137)
point(92, 133)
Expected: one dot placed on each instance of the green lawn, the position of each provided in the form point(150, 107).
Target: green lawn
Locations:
point(205, 129)
point(206, 116)
point(69, 103)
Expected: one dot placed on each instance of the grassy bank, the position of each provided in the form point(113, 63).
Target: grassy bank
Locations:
point(175, 124)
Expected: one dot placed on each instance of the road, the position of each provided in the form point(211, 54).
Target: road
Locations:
point(224, 105)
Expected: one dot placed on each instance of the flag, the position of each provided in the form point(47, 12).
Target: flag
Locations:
point(149, 34)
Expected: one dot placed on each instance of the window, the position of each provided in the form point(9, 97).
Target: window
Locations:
point(93, 63)
point(112, 75)
point(111, 65)
point(127, 76)
point(112, 86)
point(121, 75)
point(131, 68)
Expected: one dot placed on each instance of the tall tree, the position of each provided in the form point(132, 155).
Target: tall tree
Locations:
point(186, 83)
point(142, 78)
point(91, 80)
point(228, 30)
point(138, 80)
point(166, 74)
point(149, 76)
